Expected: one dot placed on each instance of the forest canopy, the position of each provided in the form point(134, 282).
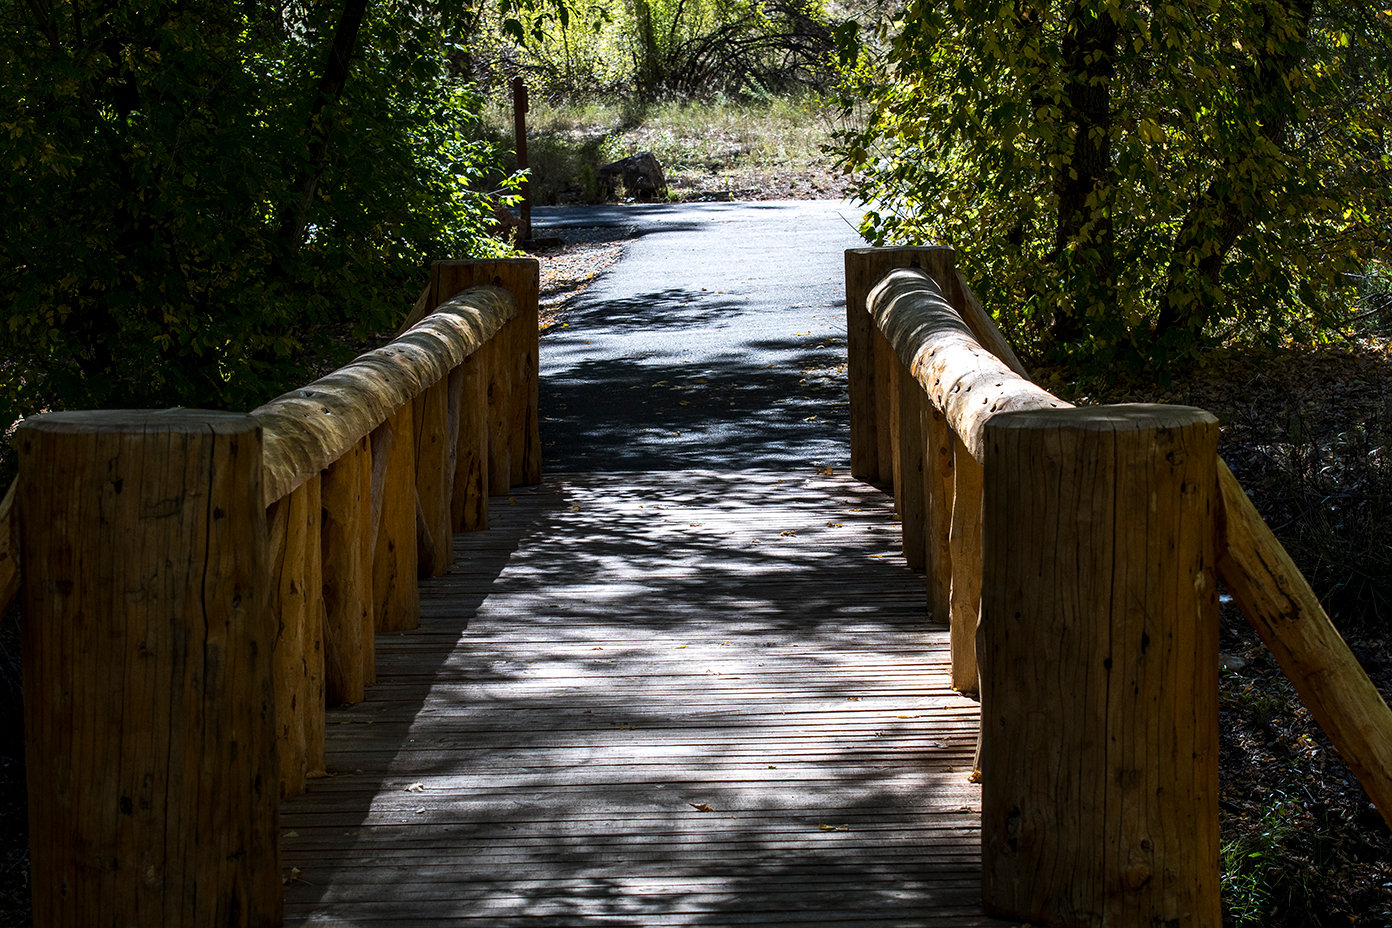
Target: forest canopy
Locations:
point(1128, 181)
point(197, 194)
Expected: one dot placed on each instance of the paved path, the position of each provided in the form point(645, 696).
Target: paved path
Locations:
point(718, 341)
point(686, 681)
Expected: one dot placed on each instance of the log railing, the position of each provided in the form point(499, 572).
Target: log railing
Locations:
point(1076, 554)
point(196, 586)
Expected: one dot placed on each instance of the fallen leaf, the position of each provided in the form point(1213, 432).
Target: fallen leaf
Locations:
point(852, 699)
point(975, 777)
point(787, 533)
point(833, 525)
point(574, 508)
point(295, 874)
point(416, 788)
point(834, 827)
point(512, 501)
point(700, 808)
point(291, 834)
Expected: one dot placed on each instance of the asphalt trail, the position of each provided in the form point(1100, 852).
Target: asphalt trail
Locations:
point(717, 342)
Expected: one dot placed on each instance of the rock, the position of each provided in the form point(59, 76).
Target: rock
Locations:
point(639, 176)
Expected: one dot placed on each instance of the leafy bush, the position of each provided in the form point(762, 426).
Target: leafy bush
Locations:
point(659, 49)
point(191, 210)
point(1127, 181)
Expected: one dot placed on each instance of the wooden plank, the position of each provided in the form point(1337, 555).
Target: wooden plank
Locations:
point(596, 666)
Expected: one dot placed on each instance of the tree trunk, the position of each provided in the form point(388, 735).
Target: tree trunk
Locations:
point(1227, 208)
point(1084, 180)
point(296, 219)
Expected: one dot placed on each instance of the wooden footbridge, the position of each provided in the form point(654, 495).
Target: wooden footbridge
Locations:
point(680, 698)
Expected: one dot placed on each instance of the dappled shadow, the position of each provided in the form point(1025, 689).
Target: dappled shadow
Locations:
point(688, 681)
point(689, 394)
point(745, 642)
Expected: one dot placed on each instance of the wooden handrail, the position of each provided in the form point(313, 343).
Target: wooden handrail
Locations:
point(308, 429)
point(970, 385)
point(918, 370)
point(965, 381)
point(257, 555)
point(1278, 602)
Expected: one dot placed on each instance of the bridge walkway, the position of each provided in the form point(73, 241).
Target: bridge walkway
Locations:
point(663, 698)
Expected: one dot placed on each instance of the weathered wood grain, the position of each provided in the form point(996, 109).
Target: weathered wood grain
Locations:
point(394, 552)
point(1280, 605)
point(515, 387)
point(469, 501)
point(346, 543)
point(865, 268)
point(618, 650)
point(1099, 658)
point(964, 380)
point(149, 718)
point(308, 429)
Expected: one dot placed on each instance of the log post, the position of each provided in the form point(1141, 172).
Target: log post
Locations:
point(515, 452)
point(965, 543)
point(886, 415)
point(346, 502)
point(149, 716)
point(297, 604)
point(434, 477)
point(469, 503)
point(499, 392)
point(1099, 662)
point(864, 269)
point(913, 479)
point(394, 560)
point(937, 504)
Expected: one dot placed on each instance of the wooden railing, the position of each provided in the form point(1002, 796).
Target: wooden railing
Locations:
point(1076, 555)
point(196, 586)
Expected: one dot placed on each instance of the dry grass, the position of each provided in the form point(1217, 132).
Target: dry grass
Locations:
point(718, 150)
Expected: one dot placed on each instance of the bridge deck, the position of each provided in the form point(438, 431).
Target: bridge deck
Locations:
point(678, 698)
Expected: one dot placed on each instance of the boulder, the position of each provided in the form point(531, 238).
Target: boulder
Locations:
point(639, 176)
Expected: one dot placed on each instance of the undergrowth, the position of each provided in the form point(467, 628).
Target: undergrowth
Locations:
point(708, 150)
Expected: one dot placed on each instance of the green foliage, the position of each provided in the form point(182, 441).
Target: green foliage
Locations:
point(1254, 865)
point(706, 149)
point(152, 154)
point(660, 49)
point(1132, 181)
